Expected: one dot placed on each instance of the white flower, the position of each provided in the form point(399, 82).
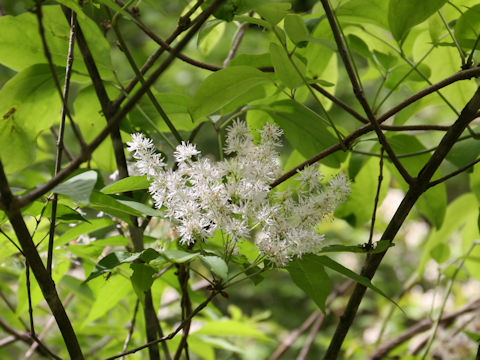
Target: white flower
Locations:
point(202, 196)
point(185, 151)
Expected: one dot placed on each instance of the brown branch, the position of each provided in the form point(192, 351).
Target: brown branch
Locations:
point(461, 75)
point(417, 188)
point(357, 89)
point(420, 326)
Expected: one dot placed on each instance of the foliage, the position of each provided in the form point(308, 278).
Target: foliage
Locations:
point(383, 92)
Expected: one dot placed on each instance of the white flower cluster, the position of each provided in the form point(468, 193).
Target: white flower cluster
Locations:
point(233, 196)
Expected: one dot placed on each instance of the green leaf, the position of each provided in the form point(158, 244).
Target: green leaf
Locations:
point(399, 75)
point(22, 46)
point(458, 212)
point(433, 204)
point(440, 253)
point(305, 130)
point(210, 35)
point(380, 246)
point(464, 152)
point(404, 14)
point(108, 263)
point(284, 69)
point(145, 117)
point(372, 11)
point(295, 28)
point(470, 233)
point(90, 119)
point(64, 213)
point(79, 187)
point(358, 208)
point(81, 229)
point(130, 183)
point(231, 328)
point(332, 264)
point(216, 265)
point(29, 103)
point(310, 276)
point(179, 256)
point(273, 12)
point(114, 289)
point(224, 86)
point(142, 277)
point(467, 27)
point(255, 60)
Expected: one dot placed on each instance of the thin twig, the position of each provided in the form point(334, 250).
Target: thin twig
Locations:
point(61, 131)
point(377, 197)
point(67, 152)
point(29, 297)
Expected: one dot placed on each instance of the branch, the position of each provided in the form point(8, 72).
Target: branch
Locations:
point(417, 188)
point(359, 92)
point(421, 326)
